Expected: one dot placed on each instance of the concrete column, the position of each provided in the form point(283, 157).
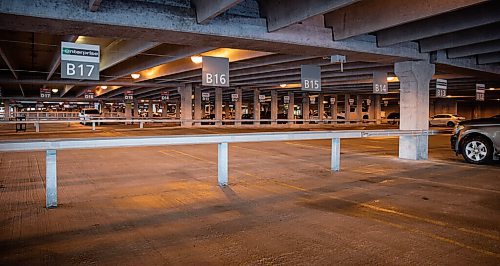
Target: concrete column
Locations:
point(414, 78)
point(227, 110)
point(150, 108)
point(177, 110)
point(334, 108)
point(198, 108)
point(218, 105)
point(128, 112)
point(6, 105)
point(377, 109)
point(164, 109)
point(291, 107)
point(347, 107)
point(256, 106)
point(359, 107)
point(305, 107)
point(186, 93)
point(321, 107)
point(371, 107)
point(238, 106)
point(274, 106)
point(136, 109)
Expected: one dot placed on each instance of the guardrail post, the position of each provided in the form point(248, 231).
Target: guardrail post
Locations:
point(51, 179)
point(37, 127)
point(222, 165)
point(93, 126)
point(335, 155)
point(141, 124)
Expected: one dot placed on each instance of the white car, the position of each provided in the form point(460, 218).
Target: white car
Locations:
point(88, 114)
point(448, 120)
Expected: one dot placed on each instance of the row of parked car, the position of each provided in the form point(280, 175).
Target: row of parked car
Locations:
point(449, 120)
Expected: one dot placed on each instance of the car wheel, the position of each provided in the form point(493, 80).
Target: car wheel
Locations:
point(477, 150)
point(450, 124)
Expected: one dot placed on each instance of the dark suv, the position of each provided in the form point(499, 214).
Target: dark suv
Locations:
point(478, 140)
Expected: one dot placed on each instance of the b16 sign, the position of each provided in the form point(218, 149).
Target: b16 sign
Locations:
point(310, 78)
point(45, 93)
point(480, 88)
point(164, 96)
point(380, 85)
point(89, 94)
point(129, 95)
point(215, 71)
point(80, 61)
point(441, 87)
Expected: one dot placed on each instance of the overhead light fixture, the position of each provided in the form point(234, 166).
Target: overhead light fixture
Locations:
point(492, 89)
point(391, 79)
point(135, 75)
point(283, 85)
point(55, 90)
point(104, 87)
point(196, 59)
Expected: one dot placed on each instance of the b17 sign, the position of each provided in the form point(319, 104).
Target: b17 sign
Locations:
point(380, 85)
point(215, 71)
point(164, 96)
point(441, 87)
point(45, 93)
point(129, 95)
point(89, 94)
point(480, 88)
point(80, 61)
point(310, 78)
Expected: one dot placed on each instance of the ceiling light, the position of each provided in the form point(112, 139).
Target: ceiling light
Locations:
point(135, 75)
point(55, 90)
point(196, 59)
point(283, 85)
point(104, 87)
point(492, 89)
point(391, 79)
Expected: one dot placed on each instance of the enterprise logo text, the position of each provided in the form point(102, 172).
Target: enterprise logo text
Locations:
point(80, 52)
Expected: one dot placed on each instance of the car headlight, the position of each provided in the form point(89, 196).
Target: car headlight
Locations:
point(458, 128)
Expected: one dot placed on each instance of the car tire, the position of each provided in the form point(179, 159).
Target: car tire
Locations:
point(450, 124)
point(477, 150)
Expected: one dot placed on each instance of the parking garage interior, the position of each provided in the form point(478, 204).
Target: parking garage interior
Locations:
point(395, 194)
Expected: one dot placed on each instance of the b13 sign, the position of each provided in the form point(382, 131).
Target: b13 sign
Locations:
point(215, 71)
point(80, 61)
point(310, 78)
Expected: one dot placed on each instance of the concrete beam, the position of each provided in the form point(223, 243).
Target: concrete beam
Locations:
point(207, 10)
point(374, 15)
point(122, 50)
point(9, 65)
point(56, 60)
point(490, 58)
point(474, 49)
point(461, 38)
point(173, 24)
point(283, 13)
point(94, 5)
point(464, 65)
point(472, 17)
point(83, 83)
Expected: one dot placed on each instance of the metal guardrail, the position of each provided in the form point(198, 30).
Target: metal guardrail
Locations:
point(222, 140)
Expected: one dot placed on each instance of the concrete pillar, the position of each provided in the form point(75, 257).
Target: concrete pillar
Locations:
point(334, 108)
point(136, 109)
point(274, 106)
point(227, 111)
point(305, 107)
point(177, 110)
point(359, 107)
point(128, 112)
point(377, 108)
point(414, 78)
point(238, 106)
point(256, 106)
point(150, 109)
point(186, 93)
point(164, 109)
point(218, 105)
point(321, 107)
point(6, 105)
point(291, 107)
point(371, 107)
point(198, 108)
point(347, 106)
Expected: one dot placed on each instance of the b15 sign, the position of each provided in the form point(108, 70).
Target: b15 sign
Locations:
point(310, 78)
point(80, 61)
point(215, 71)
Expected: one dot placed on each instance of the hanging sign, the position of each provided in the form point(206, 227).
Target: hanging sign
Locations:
point(235, 97)
point(89, 94)
point(332, 100)
point(310, 77)
point(262, 98)
point(312, 100)
point(351, 101)
point(129, 95)
point(215, 71)
point(286, 99)
point(45, 93)
point(386, 103)
point(80, 61)
point(205, 96)
point(441, 87)
point(164, 96)
point(380, 85)
point(368, 101)
point(480, 89)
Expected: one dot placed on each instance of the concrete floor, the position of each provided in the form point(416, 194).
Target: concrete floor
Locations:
point(162, 205)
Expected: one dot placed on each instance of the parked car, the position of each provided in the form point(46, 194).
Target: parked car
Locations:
point(247, 116)
point(393, 119)
point(448, 120)
point(478, 140)
point(88, 114)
